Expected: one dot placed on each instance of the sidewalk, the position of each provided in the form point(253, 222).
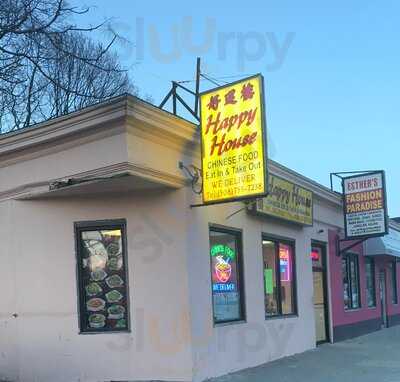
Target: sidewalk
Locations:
point(371, 358)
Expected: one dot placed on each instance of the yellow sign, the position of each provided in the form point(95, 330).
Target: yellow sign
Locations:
point(233, 141)
point(288, 201)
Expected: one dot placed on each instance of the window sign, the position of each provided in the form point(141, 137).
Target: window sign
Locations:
point(225, 275)
point(316, 257)
point(284, 260)
point(269, 281)
point(102, 276)
point(224, 259)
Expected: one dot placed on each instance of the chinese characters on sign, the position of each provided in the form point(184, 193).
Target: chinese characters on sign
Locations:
point(233, 142)
point(286, 200)
point(365, 205)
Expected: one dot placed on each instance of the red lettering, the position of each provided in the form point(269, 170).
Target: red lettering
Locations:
point(223, 146)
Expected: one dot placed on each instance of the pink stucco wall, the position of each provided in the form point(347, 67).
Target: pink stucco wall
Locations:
point(339, 315)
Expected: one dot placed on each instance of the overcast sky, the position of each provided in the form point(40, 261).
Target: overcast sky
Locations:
point(331, 71)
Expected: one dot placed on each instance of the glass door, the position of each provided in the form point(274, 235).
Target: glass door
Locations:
point(318, 258)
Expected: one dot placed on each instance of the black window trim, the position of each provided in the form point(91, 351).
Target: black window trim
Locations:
point(348, 256)
point(292, 243)
point(100, 225)
point(372, 261)
point(238, 233)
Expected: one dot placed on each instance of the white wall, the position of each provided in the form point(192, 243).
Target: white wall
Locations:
point(37, 269)
point(8, 327)
point(173, 337)
point(222, 349)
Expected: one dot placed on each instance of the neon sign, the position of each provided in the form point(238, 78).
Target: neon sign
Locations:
point(315, 255)
point(223, 270)
point(222, 257)
point(223, 250)
point(284, 262)
point(228, 287)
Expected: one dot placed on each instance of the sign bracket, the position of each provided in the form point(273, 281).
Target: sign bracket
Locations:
point(198, 205)
point(339, 175)
point(178, 99)
point(173, 93)
point(194, 175)
point(247, 201)
point(340, 251)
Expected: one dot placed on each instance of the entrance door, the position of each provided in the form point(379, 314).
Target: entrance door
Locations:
point(382, 294)
point(318, 257)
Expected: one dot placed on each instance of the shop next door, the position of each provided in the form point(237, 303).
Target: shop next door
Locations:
point(318, 258)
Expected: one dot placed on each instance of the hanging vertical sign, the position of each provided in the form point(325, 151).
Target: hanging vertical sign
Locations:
point(233, 139)
point(365, 211)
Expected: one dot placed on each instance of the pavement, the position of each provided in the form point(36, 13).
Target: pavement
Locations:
point(371, 358)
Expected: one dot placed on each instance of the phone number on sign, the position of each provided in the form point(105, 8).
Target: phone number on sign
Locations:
point(224, 192)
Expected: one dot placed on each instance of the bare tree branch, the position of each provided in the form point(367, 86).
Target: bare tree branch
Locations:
point(49, 66)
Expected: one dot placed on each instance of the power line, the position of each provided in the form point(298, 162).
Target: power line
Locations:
point(213, 81)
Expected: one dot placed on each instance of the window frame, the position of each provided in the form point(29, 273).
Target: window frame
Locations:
point(348, 257)
point(393, 282)
point(292, 243)
point(371, 260)
point(238, 234)
point(95, 225)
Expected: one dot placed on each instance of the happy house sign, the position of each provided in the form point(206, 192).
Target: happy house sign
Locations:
point(233, 142)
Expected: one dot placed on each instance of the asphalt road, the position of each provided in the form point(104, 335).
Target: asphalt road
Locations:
point(371, 358)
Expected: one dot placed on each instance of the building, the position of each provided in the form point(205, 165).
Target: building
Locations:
point(111, 275)
point(365, 290)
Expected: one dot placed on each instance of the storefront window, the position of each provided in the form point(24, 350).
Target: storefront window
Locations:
point(393, 276)
point(346, 285)
point(226, 274)
point(102, 277)
point(279, 281)
point(370, 281)
point(271, 291)
point(351, 282)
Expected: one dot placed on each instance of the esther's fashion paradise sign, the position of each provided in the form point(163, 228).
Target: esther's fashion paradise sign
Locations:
point(287, 201)
point(364, 203)
point(233, 141)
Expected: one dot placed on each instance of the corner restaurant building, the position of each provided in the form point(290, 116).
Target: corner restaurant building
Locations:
point(109, 274)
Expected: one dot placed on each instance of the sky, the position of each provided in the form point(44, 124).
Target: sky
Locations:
point(331, 71)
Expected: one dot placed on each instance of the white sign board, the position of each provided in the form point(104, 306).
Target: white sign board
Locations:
point(365, 213)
